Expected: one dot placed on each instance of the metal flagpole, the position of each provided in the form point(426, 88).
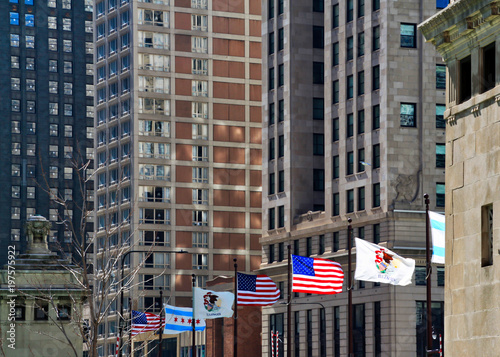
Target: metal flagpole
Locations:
point(131, 352)
point(193, 347)
point(428, 271)
point(289, 306)
point(161, 327)
point(235, 332)
point(349, 289)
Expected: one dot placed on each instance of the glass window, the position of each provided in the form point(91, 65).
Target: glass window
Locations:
point(30, 64)
point(440, 155)
point(408, 114)
point(68, 67)
point(30, 41)
point(29, 20)
point(199, 22)
point(281, 39)
point(376, 78)
point(14, 61)
point(14, 40)
point(318, 108)
point(66, 24)
point(318, 73)
point(376, 195)
point(15, 105)
point(52, 65)
point(318, 5)
point(408, 35)
point(375, 117)
point(440, 76)
point(349, 10)
point(52, 44)
point(318, 144)
point(318, 37)
point(14, 18)
point(376, 156)
point(440, 122)
point(52, 22)
point(199, 44)
point(335, 54)
point(440, 194)
point(67, 46)
point(318, 180)
point(15, 83)
point(441, 4)
point(335, 16)
point(376, 38)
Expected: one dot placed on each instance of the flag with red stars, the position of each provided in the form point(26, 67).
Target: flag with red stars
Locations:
point(180, 319)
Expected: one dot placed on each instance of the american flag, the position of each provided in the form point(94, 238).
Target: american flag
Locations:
point(316, 276)
point(256, 290)
point(144, 322)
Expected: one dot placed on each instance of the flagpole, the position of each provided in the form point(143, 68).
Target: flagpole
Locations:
point(429, 271)
point(235, 332)
point(193, 348)
point(349, 288)
point(131, 351)
point(289, 305)
point(161, 330)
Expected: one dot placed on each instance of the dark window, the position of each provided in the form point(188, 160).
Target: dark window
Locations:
point(376, 233)
point(420, 276)
point(488, 59)
point(318, 108)
point(376, 156)
point(350, 201)
point(271, 9)
point(361, 234)
point(281, 6)
point(336, 204)
point(376, 38)
point(361, 43)
point(440, 190)
point(350, 48)
point(20, 313)
point(376, 195)
point(296, 342)
point(319, 180)
point(335, 92)
point(271, 43)
point(440, 122)
point(361, 160)
point(375, 117)
point(281, 216)
point(408, 34)
point(350, 86)
point(335, 129)
point(361, 8)
point(359, 330)
point(318, 5)
point(376, 5)
point(272, 183)
point(318, 37)
point(276, 325)
point(336, 241)
point(486, 235)
point(350, 163)
point(440, 276)
point(281, 75)
point(281, 110)
point(335, 16)
point(271, 113)
point(318, 144)
point(441, 4)
point(318, 72)
point(350, 125)
point(296, 249)
point(361, 122)
point(64, 312)
point(335, 54)
point(272, 149)
point(440, 76)
point(361, 83)
point(271, 78)
point(281, 39)
point(440, 155)
point(377, 326)
point(309, 330)
point(272, 218)
point(376, 78)
point(41, 311)
point(281, 287)
point(281, 251)
point(271, 254)
point(308, 246)
point(361, 198)
point(408, 115)
point(321, 248)
point(322, 333)
point(281, 146)
point(350, 10)
point(281, 181)
point(336, 331)
point(335, 167)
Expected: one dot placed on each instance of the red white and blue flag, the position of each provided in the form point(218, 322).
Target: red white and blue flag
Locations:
point(256, 290)
point(144, 322)
point(180, 319)
point(316, 276)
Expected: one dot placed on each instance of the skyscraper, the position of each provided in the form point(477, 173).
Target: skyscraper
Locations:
point(47, 117)
point(352, 128)
point(178, 142)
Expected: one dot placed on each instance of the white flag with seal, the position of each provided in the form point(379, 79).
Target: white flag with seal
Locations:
point(437, 222)
point(379, 264)
point(210, 304)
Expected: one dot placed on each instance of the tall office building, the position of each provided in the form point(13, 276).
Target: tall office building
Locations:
point(47, 122)
point(353, 128)
point(178, 143)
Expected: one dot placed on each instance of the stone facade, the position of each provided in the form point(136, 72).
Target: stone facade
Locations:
point(467, 35)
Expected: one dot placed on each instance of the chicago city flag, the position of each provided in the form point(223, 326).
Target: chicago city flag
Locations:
point(212, 304)
point(438, 236)
point(179, 319)
point(379, 264)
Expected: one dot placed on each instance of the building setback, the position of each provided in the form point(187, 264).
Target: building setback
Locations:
point(47, 116)
point(352, 128)
point(178, 143)
point(467, 34)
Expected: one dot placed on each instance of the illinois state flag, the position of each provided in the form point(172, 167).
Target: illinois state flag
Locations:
point(438, 237)
point(179, 319)
point(316, 276)
point(379, 264)
point(210, 304)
